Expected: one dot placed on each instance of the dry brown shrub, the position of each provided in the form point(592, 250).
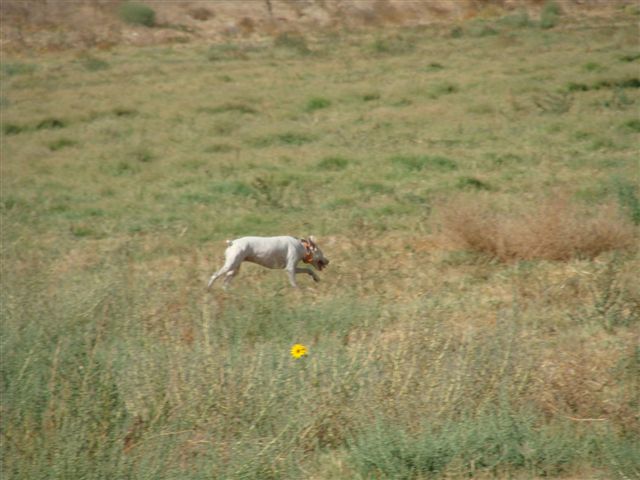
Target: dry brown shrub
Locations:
point(553, 230)
point(591, 382)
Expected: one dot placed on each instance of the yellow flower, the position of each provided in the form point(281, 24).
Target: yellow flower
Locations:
point(298, 351)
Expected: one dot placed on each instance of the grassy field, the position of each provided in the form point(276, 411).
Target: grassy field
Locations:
point(476, 189)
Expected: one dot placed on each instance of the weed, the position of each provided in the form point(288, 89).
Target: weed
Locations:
point(143, 155)
point(82, 230)
point(269, 190)
point(631, 82)
point(434, 67)
point(124, 112)
point(557, 103)
point(50, 123)
point(519, 19)
point(333, 163)
point(219, 148)
point(287, 138)
point(94, 64)
point(292, 41)
point(443, 88)
point(13, 128)
point(229, 107)
point(137, 14)
point(630, 57)
point(417, 163)
point(61, 143)
point(17, 68)
point(472, 183)
point(473, 446)
point(370, 97)
point(593, 67)
point(227, 51)
point(393, 45)
point(632, 125)
point(549, 16)
point(317, 103)
point(629, 199)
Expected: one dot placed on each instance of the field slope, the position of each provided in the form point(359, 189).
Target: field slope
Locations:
point(475, 187)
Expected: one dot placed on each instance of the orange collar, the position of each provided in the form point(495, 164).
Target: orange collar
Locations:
point(308, 254)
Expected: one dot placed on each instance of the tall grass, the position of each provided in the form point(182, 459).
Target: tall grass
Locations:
point(429, 356)
point(554, 230)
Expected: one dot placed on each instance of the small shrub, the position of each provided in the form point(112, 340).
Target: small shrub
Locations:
point(50, 123)
point(317, 103)
point(631, 82)
point(394, 45)
point(17, 68)
point(472, 183)
point(292, 41)
point(333, 163)
point(287, 138)
point(369, 97)
point(143, 155)
point(630, 57)
point(416, 163)
point(555, 230)
point(229, 107)
point(13, 128)
point(593, 67)
point(629, 200)
point(201, 13)
point(219, 148)
point(225, 51)
point(549, 15)
point(519, 19)
point(93, 64)
point(137, 14)
point(633, 125)
point(554, 103)
point(577, 87)
point(434, 67)
point(442, 88)
point(61, 143)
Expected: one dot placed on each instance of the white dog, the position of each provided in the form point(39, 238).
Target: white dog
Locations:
point(271, 252)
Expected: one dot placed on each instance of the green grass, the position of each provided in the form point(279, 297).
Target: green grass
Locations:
point(427, 358)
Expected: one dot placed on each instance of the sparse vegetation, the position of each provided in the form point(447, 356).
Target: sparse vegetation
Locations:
point(137, 13)
point(317, 103)
point(478, 198)
point(556, 230)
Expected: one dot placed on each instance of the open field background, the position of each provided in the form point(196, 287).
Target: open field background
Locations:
point(475, 184)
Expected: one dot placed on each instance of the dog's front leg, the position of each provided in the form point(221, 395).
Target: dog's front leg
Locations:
point(308, 271)
point(291, 271)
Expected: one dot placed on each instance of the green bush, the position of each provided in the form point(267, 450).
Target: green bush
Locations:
point(549, 15)
point(137, 14)
point(317, 103)
point(476, 446)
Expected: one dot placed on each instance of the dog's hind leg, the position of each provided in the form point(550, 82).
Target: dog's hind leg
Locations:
point(229, 276)
point(230, 267)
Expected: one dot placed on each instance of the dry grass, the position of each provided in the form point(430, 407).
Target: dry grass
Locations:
point(554, 230)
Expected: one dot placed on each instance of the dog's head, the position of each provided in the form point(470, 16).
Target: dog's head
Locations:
point(314, 254)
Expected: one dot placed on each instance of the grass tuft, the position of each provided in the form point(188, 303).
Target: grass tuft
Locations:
point(549, 16)
point(333, 163)
point(317, 103)
point(417, 163)
point(556, 230)
point(137, 14)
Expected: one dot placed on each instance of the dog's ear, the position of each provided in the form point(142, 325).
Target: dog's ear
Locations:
point(312, 241)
